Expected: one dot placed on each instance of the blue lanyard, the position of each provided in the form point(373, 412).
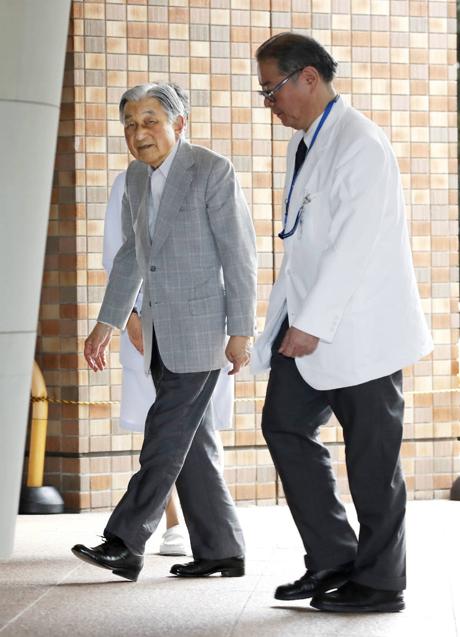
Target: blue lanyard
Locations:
point(283, 234)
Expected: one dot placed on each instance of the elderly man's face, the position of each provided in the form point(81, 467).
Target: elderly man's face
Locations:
point(292, 101)
point(149, 133)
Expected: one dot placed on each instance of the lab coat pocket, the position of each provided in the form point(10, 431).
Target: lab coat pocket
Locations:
point(313, 205)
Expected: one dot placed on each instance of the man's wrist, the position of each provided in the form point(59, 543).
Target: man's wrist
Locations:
point(244, 342)
point(112, 327)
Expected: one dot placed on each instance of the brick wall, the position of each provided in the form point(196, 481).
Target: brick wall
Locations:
point(397, 63)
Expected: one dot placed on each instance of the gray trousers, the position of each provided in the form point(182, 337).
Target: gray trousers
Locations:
point(371, 416)
point(180, 447)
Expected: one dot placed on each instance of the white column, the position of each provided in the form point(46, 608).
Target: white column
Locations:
point(33, 36)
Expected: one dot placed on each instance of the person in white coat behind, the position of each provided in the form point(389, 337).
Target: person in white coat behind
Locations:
point(344, 318)
point(137, 390)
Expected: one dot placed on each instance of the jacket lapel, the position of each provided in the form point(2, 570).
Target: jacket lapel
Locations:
point(175, 190)
point(319, 153)
point(142, 220)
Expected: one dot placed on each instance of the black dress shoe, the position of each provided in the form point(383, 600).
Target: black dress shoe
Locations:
point(113, 555)
point(356, 598)
point(228, 567)
point(313, 583)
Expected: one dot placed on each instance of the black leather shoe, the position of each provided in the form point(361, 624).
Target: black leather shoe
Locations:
point(356, 598)
point(113, 555)
point(228, 567)
point(313, 583)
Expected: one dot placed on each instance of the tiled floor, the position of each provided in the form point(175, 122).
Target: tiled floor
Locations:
point(45, 591)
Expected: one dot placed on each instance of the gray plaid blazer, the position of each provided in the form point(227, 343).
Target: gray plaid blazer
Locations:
point(199, 270)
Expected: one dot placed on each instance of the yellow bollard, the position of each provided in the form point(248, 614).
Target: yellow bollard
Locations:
point(38, 429)
point(35, 498)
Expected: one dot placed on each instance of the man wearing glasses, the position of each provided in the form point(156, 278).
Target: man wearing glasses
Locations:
point(344, 318)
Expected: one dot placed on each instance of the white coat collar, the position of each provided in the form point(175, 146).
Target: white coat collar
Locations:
point(325, 137)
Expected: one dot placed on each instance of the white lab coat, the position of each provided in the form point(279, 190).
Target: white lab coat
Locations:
point(138, 392)
point(347, 274)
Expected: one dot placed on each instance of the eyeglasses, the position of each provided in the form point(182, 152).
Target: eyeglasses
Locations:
point(270, 95)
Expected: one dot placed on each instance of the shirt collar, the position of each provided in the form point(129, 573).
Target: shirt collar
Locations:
point(308, 135)
point(164, 167)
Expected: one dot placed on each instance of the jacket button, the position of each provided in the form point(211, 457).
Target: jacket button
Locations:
point(153, 268)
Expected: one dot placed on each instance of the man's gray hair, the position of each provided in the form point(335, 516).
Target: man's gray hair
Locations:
point(171, 96)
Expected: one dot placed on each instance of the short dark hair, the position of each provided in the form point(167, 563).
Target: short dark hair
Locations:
point(295, 51)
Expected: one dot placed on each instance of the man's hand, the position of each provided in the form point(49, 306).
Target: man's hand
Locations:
point(237, 352)
point(297, 343)
point(95, 346)
point(134, 329)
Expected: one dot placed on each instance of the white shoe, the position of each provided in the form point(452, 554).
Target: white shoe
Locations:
point(173, 542)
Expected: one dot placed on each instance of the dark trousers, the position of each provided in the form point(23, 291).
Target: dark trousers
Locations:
point(371, 416)
point(180, 447)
